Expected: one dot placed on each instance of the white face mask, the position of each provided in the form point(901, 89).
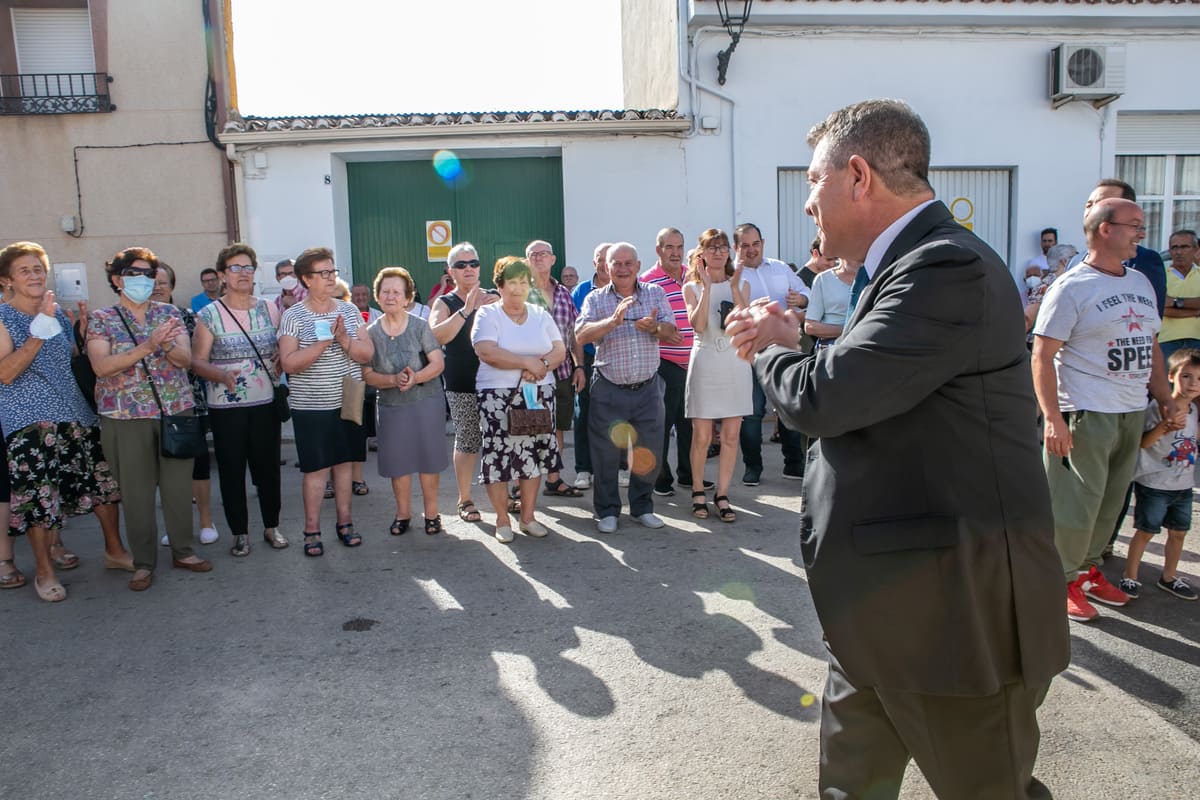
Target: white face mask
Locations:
point(288, 283)
point(1033, 282)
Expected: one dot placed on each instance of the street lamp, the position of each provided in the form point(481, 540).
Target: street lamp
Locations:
point(734, 21)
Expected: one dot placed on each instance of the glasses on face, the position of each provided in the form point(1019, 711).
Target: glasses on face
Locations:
point(236, 268)
point(1134, 225)
point(471, 264)
point(325, 273)
point(286, 274)
point(130, 272)
point(717, 248)
point(541, 254)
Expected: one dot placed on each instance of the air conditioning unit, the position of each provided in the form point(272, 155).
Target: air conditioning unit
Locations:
point(1092, 72)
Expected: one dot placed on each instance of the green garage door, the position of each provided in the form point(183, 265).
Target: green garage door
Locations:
point(498, 204)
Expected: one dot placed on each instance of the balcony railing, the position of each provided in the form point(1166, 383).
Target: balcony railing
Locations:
point(55, 93)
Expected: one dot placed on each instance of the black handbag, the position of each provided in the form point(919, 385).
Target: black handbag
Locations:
point(528, 421)
point(279, 400)
point(81, 367)
point(180, 435)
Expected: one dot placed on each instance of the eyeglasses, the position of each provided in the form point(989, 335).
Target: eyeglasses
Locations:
point(472, 264)
point(325, 273)
point(541, 253)
point(1134, 225)
point(130, 272)
point(717, 248)
point(236, 268)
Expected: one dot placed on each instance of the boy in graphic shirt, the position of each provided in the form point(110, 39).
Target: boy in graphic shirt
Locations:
point(1164, 478)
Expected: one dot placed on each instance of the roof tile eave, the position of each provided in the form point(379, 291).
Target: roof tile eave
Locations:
point(251, 123)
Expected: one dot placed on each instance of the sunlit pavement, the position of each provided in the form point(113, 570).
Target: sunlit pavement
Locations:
point(682, 663)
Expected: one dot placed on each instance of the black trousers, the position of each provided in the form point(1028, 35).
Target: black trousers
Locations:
point(674, 390)
point(968, 748)
point(247, 437)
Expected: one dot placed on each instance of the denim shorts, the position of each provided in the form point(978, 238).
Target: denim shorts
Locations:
point(1159, 507)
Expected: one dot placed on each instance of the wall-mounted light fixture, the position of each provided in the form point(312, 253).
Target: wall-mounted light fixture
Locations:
point(734, 16)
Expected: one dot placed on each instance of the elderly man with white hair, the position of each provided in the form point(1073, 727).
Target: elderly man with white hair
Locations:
point(626, 320)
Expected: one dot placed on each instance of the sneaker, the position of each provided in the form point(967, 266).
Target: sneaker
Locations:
point(1078, 608)
point(714, 450)
point(664, 491)
point(623, 478)
point(650, 521)
point(535, 529)
point(164, 541)
point(708, 485)
point(1178, 587)
point(583, 480)
point(607, 524)
point(1096, 586)
point(208, 535)
point(752, 477)
point(504, 534)
point(1130, 587)
point(793, 474)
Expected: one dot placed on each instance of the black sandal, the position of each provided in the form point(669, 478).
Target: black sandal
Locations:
point(724, 512)
point(360, 488)
point(433, 525)
point(558, 488)
point(348, 537)
point(312, 544)
point(467, 512)
point(399, 527)
point(699, 510)
point(514, 504)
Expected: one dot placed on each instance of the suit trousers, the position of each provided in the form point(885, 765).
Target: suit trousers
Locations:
point(642, 408)
point(583, 456)
point(1087, 489)
point(750, 437)
point(968, 748)
point(674, 390)
point(132, 449)
point(247, 437)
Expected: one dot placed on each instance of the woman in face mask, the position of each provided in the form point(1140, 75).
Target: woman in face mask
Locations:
point(139, 348)
point(53, 457)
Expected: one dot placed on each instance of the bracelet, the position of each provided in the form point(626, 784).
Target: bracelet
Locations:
point(461, 314)
point(577, 367)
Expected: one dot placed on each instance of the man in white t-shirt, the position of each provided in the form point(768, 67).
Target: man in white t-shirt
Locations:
point(1095, 352)
point(775, 280)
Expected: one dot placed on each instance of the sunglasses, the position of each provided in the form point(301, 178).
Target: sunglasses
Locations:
point(472, 264)
point(130, 272)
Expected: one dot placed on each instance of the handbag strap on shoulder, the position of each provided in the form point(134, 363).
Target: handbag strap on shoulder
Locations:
point(237, 322)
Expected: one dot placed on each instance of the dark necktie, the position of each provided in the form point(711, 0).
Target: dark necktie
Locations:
point(860, 282)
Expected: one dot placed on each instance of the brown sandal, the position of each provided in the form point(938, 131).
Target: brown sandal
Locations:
point(14, 578)
point(467, 512)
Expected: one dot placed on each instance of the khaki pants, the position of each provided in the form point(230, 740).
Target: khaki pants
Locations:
point(1087, 490)
point(131, 447)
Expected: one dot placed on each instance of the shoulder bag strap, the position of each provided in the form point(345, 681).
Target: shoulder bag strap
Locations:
point(248, 339)
point(161, 411)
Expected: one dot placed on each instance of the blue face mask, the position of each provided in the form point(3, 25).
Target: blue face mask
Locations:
point(138, 288)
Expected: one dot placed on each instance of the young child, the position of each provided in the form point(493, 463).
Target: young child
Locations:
point(1164, 477)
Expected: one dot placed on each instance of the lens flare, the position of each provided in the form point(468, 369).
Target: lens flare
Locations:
point(447, 165)
point(622, 435)
point(807, 700)
point(737, 590)
point(644, 462)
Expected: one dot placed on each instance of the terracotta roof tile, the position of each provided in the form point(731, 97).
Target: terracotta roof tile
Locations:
point(252, 124)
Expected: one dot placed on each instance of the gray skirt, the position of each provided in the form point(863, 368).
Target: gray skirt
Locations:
point(412, 438)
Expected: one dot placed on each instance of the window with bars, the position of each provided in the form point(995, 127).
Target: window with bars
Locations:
point(1168, 190)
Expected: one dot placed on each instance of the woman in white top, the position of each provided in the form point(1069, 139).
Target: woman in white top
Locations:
point(322, 339)
point(830, 302)
point(719, 384)
point(519, 346)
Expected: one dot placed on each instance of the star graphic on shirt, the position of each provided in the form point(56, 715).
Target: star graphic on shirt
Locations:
point(1133, 319)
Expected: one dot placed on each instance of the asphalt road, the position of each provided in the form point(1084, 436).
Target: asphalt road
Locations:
point(683, 663)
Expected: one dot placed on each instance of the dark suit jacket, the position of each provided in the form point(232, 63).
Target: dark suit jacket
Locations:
point(926, 527)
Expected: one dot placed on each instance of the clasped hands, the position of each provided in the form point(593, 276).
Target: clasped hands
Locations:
point(761, 324)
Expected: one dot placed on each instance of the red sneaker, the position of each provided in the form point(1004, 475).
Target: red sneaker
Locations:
point(1097, 587)
point(1078, 608)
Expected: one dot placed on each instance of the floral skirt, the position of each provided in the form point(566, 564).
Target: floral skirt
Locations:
point(506, 458)
point(57, 471)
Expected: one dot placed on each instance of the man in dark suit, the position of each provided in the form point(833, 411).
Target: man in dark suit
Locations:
point(926, 528)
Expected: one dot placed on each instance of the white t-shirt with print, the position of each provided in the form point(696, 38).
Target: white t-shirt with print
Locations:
point(1107, 325)
point(534, 337)
point(1169, 464)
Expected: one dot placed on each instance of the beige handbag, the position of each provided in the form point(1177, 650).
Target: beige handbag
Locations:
point(354, 392)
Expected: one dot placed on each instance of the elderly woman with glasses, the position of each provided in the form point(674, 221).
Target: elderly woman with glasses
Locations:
point(519, 347)
point(321, 341)
point(450, 320)
point(54, 460)
point(140, 352)
point(235, 348)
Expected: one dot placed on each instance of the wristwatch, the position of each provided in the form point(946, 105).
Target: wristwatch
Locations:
point(1177, 302)
point(545, 363)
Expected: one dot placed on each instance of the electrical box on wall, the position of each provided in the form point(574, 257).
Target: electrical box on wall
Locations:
point(70, 282)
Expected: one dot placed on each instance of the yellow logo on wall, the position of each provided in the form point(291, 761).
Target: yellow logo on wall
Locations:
point(957, 206)
point(438, 239)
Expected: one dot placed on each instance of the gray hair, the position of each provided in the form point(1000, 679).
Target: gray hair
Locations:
point(603, 247)
point(458, 250)
point(529, 246)
point(662, 235)
point(1055, 255)
point(621, 246)
point(888, 134)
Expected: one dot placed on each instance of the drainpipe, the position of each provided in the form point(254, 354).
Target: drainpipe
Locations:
point(239, 189)
point(688, 70)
